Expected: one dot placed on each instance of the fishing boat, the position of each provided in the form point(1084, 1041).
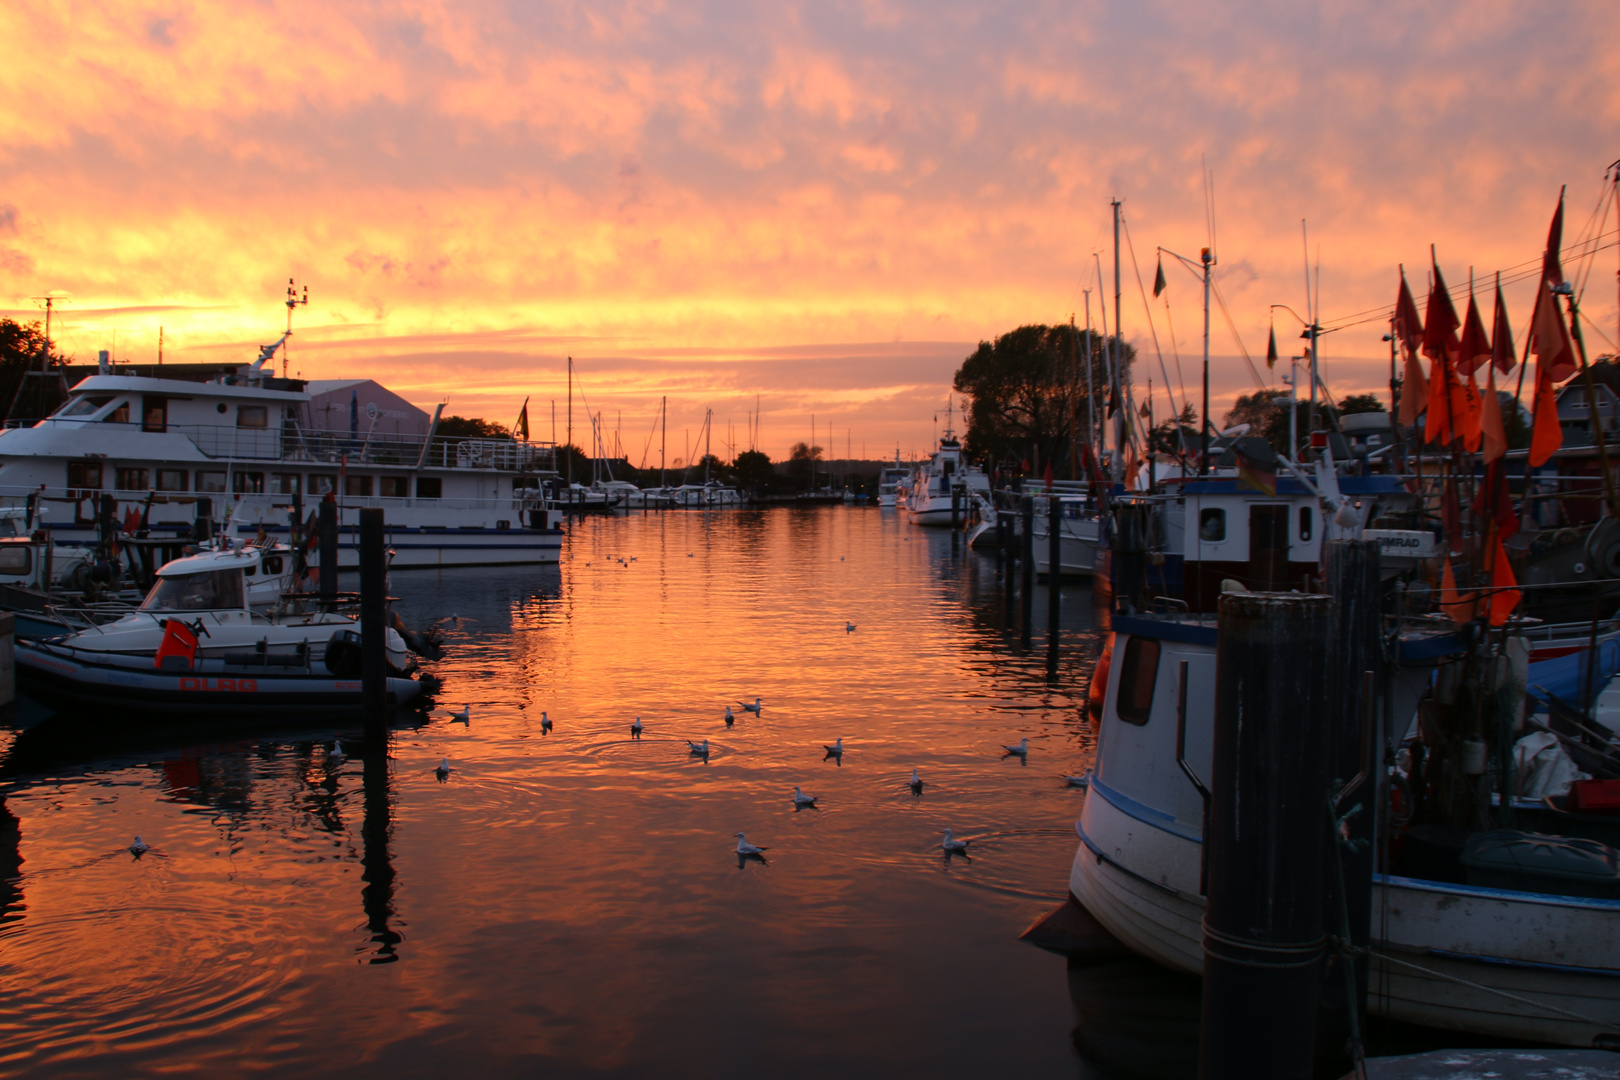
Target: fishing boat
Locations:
point(198, 645)
point(1079, 536)
point(892, 480)
point(944, 481)
point(243, 444)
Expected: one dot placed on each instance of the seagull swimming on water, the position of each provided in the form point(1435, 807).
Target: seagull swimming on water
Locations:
point(1021, 750)
point(801, 799)
point(701, 749)
point(754, 708)
point(836, 749)
point(463, 716)
point(916, 783)
point(953, 846)
point(729, 718)
point(443, 770)
point(139, 847)
point(337, 755)
point(635, 729)
point(545, 723)
point(745, 848)
point(849, 628)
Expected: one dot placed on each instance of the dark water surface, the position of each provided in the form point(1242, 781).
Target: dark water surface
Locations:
point(570, 905)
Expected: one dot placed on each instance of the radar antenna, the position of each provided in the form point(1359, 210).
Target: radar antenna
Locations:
point(293, 300)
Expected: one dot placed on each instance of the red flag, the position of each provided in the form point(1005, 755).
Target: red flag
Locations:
point(1408, 327)
point(1458, 605)
point(1475, 348)
point(1408, 330)
point(1440, 322)
point(1552, 268)
point(1494, 503)
point(1545, 434)
point(1506, 595)
point(1466, 408)
point(1552, 345)
point(1493, 433)
point(1502, 335)
point(1440, 346)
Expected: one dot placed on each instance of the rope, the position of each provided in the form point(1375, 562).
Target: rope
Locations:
point(1308, 952)
point(1499, 993)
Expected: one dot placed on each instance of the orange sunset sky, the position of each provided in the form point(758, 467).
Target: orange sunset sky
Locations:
point(826, 205)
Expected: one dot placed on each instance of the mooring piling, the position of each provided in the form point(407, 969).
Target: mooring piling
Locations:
point(1027, 554)
point(1054, 564)
point(328, 523)
point(373, 623)
point(1263, 935)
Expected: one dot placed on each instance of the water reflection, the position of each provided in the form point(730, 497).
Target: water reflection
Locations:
point(377, 894)
point(1134, 1020)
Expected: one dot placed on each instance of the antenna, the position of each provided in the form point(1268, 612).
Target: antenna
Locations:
point(292, 302)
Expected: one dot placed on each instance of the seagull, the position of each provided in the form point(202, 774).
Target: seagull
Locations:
point(444, 768)
point(463, 716)
point(754, 708)
point(635, 729)
point(836, 749)
point(701, 749)
point(953, 846)
point(1022, 749)
point(849, 628)
point(337, 755)
point(688, 554)
point(545, 723)
point(916, 783)
point(729, 718)
point(745, 848)
point(1079, 781)
point(801, 799)
point(139, 847)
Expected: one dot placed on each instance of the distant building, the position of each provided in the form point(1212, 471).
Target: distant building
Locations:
point(1575, 416)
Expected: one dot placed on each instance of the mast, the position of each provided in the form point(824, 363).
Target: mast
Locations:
point(1119, 363)
point(570, 420)
point(663, 439)
point(1203, 429)
point(708, 420)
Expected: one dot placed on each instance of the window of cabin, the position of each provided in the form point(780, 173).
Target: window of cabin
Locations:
point(16, 559)
point(84, 474)
point(1212, 526)
point(284, 483)
point(119, 415)
point(429, 487)
point(357, 485)
point(252, 416)
point(247, 483)
point(154, 413)
point(1137, 675)
point(85, 405)
point(322, 483)
point(1304, 523)
point(272, 564)
point(208, 480)
point(393, 487)
point(131, 479)
point(171, 479)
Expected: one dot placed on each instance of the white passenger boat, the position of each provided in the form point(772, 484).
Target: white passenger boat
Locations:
point(198, 646)
point(1542, 966)
point(892, 481)
point(1080, 533)
point(929, 494)
point(256, 448)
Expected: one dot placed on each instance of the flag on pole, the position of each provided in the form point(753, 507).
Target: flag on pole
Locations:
point(1458, 606)
point(1505, 593)
point(1254, 472)
point(1158, 279)
point(1549, 340)
point(1271, 348)
point(1493, 433)
point(1440, 346)
point(1408, 330)
point(1502, 334)
point(521, 428)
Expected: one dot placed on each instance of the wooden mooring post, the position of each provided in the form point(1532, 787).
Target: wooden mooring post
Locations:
point(1027, 554)
point(373, 623)
point(329, 552)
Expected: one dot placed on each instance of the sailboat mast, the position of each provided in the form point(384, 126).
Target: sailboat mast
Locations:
point(1203, 430)
point(1119, 364)
point(1091, 379)
point(570, 419)
point(663, 440)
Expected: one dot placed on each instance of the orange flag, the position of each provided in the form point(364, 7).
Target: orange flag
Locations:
point(1408, 329)
point(1493, 434)
point(1545, 434)
point(1466, 408)
point(1440, 345)
point(1505, 595)
point(1459, 607)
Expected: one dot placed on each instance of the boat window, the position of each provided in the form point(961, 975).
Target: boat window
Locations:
point(154, 413)
point(210, 481)
point(131, 479)
point(393, 487)
point(210, 590)
point(119, 415)
point(1304, 523)
point(1212, 525)
point(247, 483)
point(84, 474)
point(85, 405)
point(284, 483)
point(272, 564)
point(171, 480)
point(322, 483)
point(252, 416)
point(16, 559)
point(357, 485)
point(429, 487)
point(1136, 677)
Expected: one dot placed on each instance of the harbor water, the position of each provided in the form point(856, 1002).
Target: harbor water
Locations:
point(571, 903)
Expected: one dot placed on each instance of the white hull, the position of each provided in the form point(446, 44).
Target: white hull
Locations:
point(935, 512)
point(1557, 951)
point(1077, 547)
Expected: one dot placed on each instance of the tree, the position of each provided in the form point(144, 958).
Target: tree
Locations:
point(21, 347)
point(1266, 413)
point(754, 471)
point(801, 464)
point(468, 428)
point(1031, 392)
point(1360, 403)
point(1172, 436)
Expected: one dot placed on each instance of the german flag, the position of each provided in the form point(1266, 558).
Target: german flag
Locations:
point(1256, 472)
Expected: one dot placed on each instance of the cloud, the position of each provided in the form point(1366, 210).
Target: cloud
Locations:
point(462, 181)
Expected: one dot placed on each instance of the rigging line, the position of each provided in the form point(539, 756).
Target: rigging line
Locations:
point(1259, 383)
point(1174, 350)
point(1603, 204)
point(1597, 329)
point(1511, 275)
point(1153, 330)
